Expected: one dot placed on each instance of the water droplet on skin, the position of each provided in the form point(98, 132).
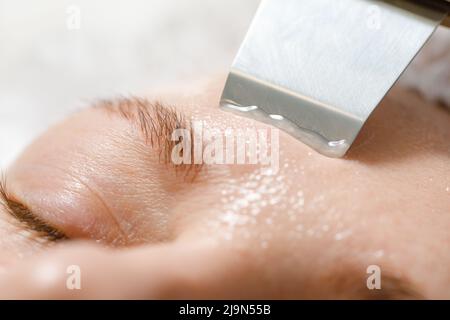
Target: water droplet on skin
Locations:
point(228, 236)
point(245, 200)
point(378, 254)
point(342, 235)
point(274, 201)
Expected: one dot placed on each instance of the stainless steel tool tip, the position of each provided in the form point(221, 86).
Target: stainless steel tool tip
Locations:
point(318, 68)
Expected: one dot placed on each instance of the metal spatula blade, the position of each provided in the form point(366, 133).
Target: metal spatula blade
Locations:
point(318, 68)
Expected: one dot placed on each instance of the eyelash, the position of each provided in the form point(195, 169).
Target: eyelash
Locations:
point(24, 215)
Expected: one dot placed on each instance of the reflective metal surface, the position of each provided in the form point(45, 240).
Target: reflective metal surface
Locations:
point(318, 68)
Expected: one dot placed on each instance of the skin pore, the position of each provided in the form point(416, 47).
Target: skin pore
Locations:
point(140, 227)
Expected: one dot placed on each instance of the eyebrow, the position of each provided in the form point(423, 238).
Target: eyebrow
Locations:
point(26, 217)
point(156, 122)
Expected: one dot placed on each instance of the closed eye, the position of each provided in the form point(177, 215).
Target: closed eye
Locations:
point(83, 183)
point(26, 218)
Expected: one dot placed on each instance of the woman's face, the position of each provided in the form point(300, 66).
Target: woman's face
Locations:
point(302, 226)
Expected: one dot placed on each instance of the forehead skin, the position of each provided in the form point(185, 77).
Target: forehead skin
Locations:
point(311, 229)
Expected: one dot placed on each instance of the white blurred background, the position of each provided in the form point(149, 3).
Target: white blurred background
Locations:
point(56, 55)
point(48, 66)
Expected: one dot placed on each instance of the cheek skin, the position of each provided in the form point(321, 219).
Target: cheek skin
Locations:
point(364, 209)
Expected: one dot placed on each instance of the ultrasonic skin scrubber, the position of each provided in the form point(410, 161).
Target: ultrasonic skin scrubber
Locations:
point(318, 68)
